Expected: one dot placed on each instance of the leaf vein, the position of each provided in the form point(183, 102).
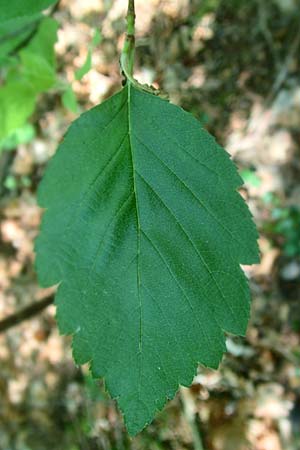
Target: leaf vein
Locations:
point(190, 240)
point(191, 192)
point(178, 284)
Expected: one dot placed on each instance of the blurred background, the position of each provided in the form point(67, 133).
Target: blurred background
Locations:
point(235, 65)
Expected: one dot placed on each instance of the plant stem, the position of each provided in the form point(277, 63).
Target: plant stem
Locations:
point(127, 55)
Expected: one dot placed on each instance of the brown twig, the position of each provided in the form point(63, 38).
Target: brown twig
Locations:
point(24, 314)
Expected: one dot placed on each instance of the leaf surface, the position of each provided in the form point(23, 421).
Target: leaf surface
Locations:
point(11, 9)
point(14, 32)
point(25, 80)
point(145, 232)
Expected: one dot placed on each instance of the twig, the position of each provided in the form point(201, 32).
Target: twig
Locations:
point(26, 313)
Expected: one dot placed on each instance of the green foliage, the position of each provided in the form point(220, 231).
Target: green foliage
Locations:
point(86, 67)
point(12, 183)
point(207, 6)
point(249, 176)
point(145, 232)
point(284, 227)
point(21, 135)
point(12, 9)
point(38, 57)
point(16, 105)
point(14, 32)
point(69, 100)
point(31, 73)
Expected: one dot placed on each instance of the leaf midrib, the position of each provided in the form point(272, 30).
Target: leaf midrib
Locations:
point(130, 133)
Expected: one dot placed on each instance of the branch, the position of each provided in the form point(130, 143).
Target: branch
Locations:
point(24, 314)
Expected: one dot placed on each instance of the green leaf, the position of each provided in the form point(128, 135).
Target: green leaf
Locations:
point(42, 44)
point(17, 100)
point(38, 58)
point(11, 9)
point(250, 177)
point(35, 74)
point(14, 32)
point(97, 38)
point(69, 100)
point(21, 135)
point(85, 68)
point(145, 232)
point(87, 65)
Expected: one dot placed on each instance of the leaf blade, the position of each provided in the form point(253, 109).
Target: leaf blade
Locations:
point(15, 8)
point(145, 247)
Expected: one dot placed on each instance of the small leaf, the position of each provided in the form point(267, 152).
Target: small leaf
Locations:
point(250, 177)
point(97, 38)
point(85, 68)
point(87, 65)
point(145, 232)
point(69, 100)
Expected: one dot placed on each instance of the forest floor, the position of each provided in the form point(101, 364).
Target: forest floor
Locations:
point(235, 65)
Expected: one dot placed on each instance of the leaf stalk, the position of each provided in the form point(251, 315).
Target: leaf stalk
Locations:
point(127, 55)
